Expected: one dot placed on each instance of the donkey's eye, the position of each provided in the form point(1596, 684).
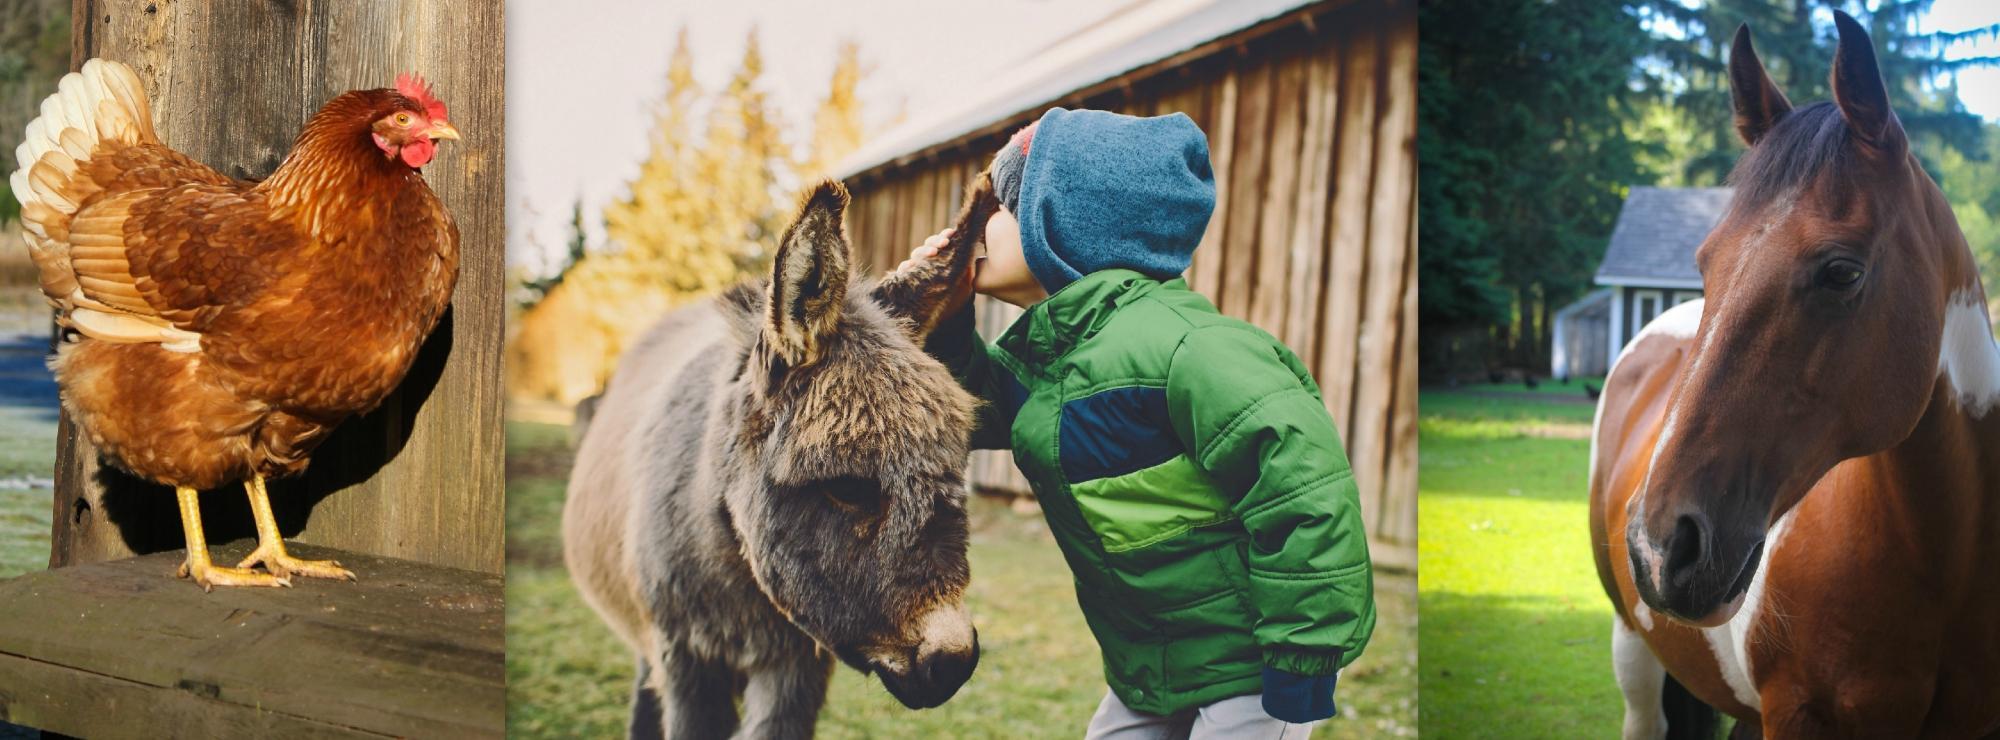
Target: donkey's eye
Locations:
point(1839, 274)
point(853, 494)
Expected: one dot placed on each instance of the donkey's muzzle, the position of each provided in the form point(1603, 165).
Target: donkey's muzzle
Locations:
point(934, 678)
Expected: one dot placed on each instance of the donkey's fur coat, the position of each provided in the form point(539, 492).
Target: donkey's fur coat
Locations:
point(775, 479)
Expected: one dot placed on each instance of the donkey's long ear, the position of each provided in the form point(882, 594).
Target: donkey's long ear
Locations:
point(1758, 101)
point(921, 293)
point(1858, 89)
point(809, 278)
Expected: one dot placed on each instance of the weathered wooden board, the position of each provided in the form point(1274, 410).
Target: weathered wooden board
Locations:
point(1307, 241)
point(125, 649)
point(1388, 228)
point(1354, 167)
point(1282, 179)
point(1245, 182)
point(1205, 271)
point(231, 84)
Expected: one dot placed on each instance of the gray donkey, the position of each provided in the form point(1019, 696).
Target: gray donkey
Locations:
point(775, 479)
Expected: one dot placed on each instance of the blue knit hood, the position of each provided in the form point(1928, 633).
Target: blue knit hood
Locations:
point(1101, 190)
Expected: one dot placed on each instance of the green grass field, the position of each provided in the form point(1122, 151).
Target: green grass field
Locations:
point(27, 419)
point(1516, 631)
point(1038, 675)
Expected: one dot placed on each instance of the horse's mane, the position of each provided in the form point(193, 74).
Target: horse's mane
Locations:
point(1807, 145)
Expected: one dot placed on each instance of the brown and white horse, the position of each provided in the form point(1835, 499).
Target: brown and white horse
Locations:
point(1795, 483)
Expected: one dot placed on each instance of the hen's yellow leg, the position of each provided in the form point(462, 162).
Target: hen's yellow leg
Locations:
point(197, 565)
point(271, 543)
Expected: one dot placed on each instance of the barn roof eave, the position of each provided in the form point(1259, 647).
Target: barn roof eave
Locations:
point(1131, 38)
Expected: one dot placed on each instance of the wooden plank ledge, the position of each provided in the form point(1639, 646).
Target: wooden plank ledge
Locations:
point(123, 648)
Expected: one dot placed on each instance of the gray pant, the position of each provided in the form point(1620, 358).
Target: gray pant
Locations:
point(1235, 718)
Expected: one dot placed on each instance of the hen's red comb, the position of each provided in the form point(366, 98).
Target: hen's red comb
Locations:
point(413, 86)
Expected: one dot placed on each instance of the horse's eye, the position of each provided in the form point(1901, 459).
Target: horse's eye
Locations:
point(1839, 274)
point(853, 494)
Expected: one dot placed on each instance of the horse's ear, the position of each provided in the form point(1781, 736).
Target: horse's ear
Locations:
point(809, 278)
point(1858, 89)
point(921, 293)
point(1758, 101)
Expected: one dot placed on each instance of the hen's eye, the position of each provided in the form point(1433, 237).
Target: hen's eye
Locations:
point(402, 119)
point(1839, 274)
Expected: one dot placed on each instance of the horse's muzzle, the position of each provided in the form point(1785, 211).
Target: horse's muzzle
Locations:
point(1700, 580)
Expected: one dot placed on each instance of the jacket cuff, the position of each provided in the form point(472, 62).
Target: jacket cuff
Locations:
point(1299, 699)
point(1302, 662)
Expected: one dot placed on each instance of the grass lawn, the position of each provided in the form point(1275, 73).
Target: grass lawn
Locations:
point(1038, 676)
point(1516, 631)
point(27, 454)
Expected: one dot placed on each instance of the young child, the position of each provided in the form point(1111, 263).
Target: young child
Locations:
point(1184, 459)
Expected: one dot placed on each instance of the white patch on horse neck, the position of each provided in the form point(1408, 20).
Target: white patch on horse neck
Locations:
point(1967, 357)
point(1730, 641)
point(1644, 616)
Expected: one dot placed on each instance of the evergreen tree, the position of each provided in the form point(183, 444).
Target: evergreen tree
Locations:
point(1795, 39)
point(1523, 163)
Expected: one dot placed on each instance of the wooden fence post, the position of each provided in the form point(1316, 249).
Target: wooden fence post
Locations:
point(231, 84)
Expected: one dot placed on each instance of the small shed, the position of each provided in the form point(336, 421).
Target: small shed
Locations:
point(1310, 109)
point(1649, 263)
point(1582, 329)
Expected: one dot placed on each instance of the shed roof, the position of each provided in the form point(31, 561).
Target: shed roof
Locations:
point(1657, 233)
point(1131, 37)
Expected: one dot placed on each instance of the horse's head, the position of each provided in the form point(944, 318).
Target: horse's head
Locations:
point(1828, 287)
point(847, 487)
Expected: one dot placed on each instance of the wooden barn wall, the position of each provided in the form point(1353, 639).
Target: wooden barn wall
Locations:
point(1312, 132)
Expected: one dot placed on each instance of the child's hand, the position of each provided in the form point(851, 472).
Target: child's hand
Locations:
point(926, 250)
point(961, 291)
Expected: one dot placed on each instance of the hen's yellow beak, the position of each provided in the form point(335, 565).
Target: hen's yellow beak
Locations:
point(443, 130)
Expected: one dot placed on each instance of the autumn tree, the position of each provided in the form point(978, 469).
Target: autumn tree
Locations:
point(837, 126)
point(660, 254)
point(703, 213)
point(665, 233)
point(740, 165)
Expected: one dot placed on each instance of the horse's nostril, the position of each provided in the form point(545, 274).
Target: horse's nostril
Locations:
point(1689, 545)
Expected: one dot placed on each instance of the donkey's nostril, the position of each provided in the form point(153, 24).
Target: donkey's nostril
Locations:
point(1688, 547)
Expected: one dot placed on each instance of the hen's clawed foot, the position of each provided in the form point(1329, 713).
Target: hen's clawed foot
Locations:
point(285, 566)
point(209, 576)
point(271, 543)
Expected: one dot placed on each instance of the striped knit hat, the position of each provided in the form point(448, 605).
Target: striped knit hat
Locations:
point(1008, 164)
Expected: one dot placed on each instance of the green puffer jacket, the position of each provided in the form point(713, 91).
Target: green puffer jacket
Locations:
point(1192, 477)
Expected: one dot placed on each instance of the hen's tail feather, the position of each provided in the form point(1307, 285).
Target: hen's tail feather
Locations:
point(101, 106)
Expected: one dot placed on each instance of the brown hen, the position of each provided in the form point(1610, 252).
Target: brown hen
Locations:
point(222, 328)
